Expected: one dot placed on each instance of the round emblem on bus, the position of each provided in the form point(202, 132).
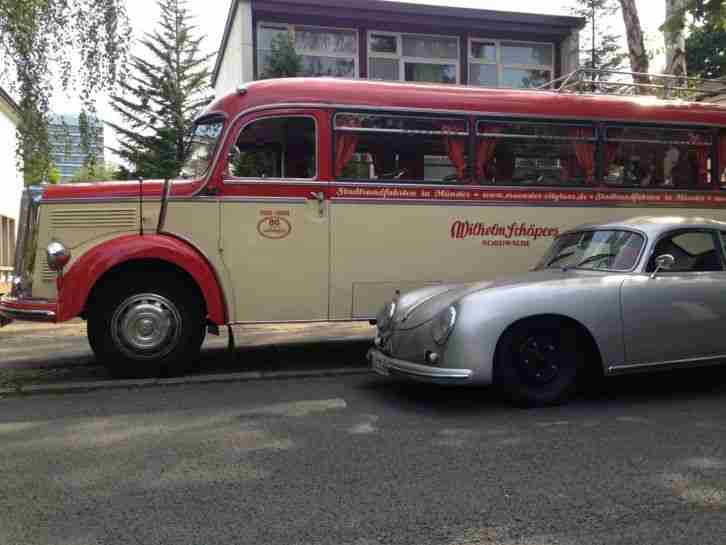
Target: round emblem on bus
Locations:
point(275, 227)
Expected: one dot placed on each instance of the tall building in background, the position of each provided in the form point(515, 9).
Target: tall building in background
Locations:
point(64, 132)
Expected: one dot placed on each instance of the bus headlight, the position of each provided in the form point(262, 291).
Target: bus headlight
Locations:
point(443, 325)
point(385, 318)
point(58, 256)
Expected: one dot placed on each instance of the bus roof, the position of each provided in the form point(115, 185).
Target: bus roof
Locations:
point(334, 92)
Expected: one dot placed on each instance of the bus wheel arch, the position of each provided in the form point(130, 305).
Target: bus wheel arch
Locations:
point(145, 318)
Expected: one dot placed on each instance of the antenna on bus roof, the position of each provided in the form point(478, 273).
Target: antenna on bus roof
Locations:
point(619, 82)
point(141, 206)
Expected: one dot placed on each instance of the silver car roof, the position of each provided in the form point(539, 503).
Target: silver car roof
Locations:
point(653, 226)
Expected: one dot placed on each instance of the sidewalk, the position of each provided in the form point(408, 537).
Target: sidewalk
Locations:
point(47, 354)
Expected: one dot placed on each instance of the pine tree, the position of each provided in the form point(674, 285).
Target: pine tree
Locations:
point(162, 95)
point(600, 43)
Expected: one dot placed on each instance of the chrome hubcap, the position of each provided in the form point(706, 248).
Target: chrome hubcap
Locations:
point(146, 326)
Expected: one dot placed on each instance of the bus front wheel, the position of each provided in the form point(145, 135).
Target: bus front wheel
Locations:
point(149, 325)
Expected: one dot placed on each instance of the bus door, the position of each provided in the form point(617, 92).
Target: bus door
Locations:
point(388, 232)
point(275, 220)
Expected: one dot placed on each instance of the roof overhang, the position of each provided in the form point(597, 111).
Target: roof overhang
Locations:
point(10, 104)
point(388, 14)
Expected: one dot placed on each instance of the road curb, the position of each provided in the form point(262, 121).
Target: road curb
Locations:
point(248, 376)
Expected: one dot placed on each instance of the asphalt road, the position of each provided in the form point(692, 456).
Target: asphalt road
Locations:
point(362, 460)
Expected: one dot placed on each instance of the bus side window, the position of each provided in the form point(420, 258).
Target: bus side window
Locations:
point(657, 157)
point(400, 148)
point(546, 154)
point(276, 147)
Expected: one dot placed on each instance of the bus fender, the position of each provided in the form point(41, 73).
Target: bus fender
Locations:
point(75, 286)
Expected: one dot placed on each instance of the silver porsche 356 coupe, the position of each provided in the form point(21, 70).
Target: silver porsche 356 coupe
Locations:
point(638, 295)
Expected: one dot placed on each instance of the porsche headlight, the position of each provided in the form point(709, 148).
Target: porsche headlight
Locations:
point(443, 325)
point(385, 317)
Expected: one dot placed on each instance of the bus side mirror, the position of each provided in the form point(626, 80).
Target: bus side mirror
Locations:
point(663, 262)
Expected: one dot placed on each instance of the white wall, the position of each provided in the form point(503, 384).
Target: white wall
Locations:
point(11, 180)
point(237, 64)
point(569, 53)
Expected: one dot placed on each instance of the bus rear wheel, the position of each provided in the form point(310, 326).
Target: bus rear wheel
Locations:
point(148, 326)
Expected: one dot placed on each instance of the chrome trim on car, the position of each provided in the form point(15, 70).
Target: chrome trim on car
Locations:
point(415, 370)
point(705, 361)
point(26, 247)
point(27, 315)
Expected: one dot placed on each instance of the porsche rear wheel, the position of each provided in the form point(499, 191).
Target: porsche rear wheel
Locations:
point(539, 361)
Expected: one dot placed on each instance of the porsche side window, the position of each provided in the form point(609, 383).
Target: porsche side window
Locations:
point(278, 148)
point(694, 251)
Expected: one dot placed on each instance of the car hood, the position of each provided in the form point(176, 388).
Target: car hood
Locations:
point(420, 306)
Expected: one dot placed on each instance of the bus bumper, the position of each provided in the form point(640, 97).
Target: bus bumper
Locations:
point(27, 310)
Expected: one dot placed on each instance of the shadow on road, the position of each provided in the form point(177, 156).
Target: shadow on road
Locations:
point(654, 389)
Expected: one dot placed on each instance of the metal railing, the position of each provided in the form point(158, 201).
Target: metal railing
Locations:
point(620, 82)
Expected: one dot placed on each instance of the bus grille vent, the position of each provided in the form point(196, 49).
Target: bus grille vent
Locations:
point(95, 218)
point(46, 274)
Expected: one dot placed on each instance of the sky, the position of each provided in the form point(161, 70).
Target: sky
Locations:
point(211, 15)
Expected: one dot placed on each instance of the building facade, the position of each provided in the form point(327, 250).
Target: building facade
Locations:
point(68, 154)
point(11, 186)
point(395, 41)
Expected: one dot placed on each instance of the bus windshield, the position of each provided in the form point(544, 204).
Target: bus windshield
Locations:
point(609, 250)
point(202, 143)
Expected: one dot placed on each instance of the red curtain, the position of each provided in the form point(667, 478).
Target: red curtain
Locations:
point(456, 149)
point(611, 149)
point(585, 152)
point(345, 144)
point(702, 152)
point(486, 146)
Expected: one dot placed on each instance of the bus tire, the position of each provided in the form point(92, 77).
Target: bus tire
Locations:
point(538, 362)
point(148, 326)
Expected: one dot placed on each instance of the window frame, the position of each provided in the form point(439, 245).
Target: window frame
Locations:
point(402, 59)
point(499, 61)
point(404, 114)
point(541, 265)
point(717, 162)
point(291, 28)
point(575, 124)
point(232, 180)
point(716, 235)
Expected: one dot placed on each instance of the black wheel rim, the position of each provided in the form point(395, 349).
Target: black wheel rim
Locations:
point(539, 359)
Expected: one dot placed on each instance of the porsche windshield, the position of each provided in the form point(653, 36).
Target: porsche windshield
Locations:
point(200, 150)
point(610, 250)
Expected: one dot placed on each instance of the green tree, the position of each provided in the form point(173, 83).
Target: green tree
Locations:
point(58, 45)
point(706, 51)
point(163, 95)
point(96, 172)
point(600, 43)
point(282, 61)
point(711, 13)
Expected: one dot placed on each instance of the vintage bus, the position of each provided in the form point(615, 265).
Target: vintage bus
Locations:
point(309, 200)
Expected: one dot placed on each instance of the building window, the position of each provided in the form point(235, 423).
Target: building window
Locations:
point(413, 57)
point(401, 149)
point(496, 63)
point(324, 51)
point(7, 245)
